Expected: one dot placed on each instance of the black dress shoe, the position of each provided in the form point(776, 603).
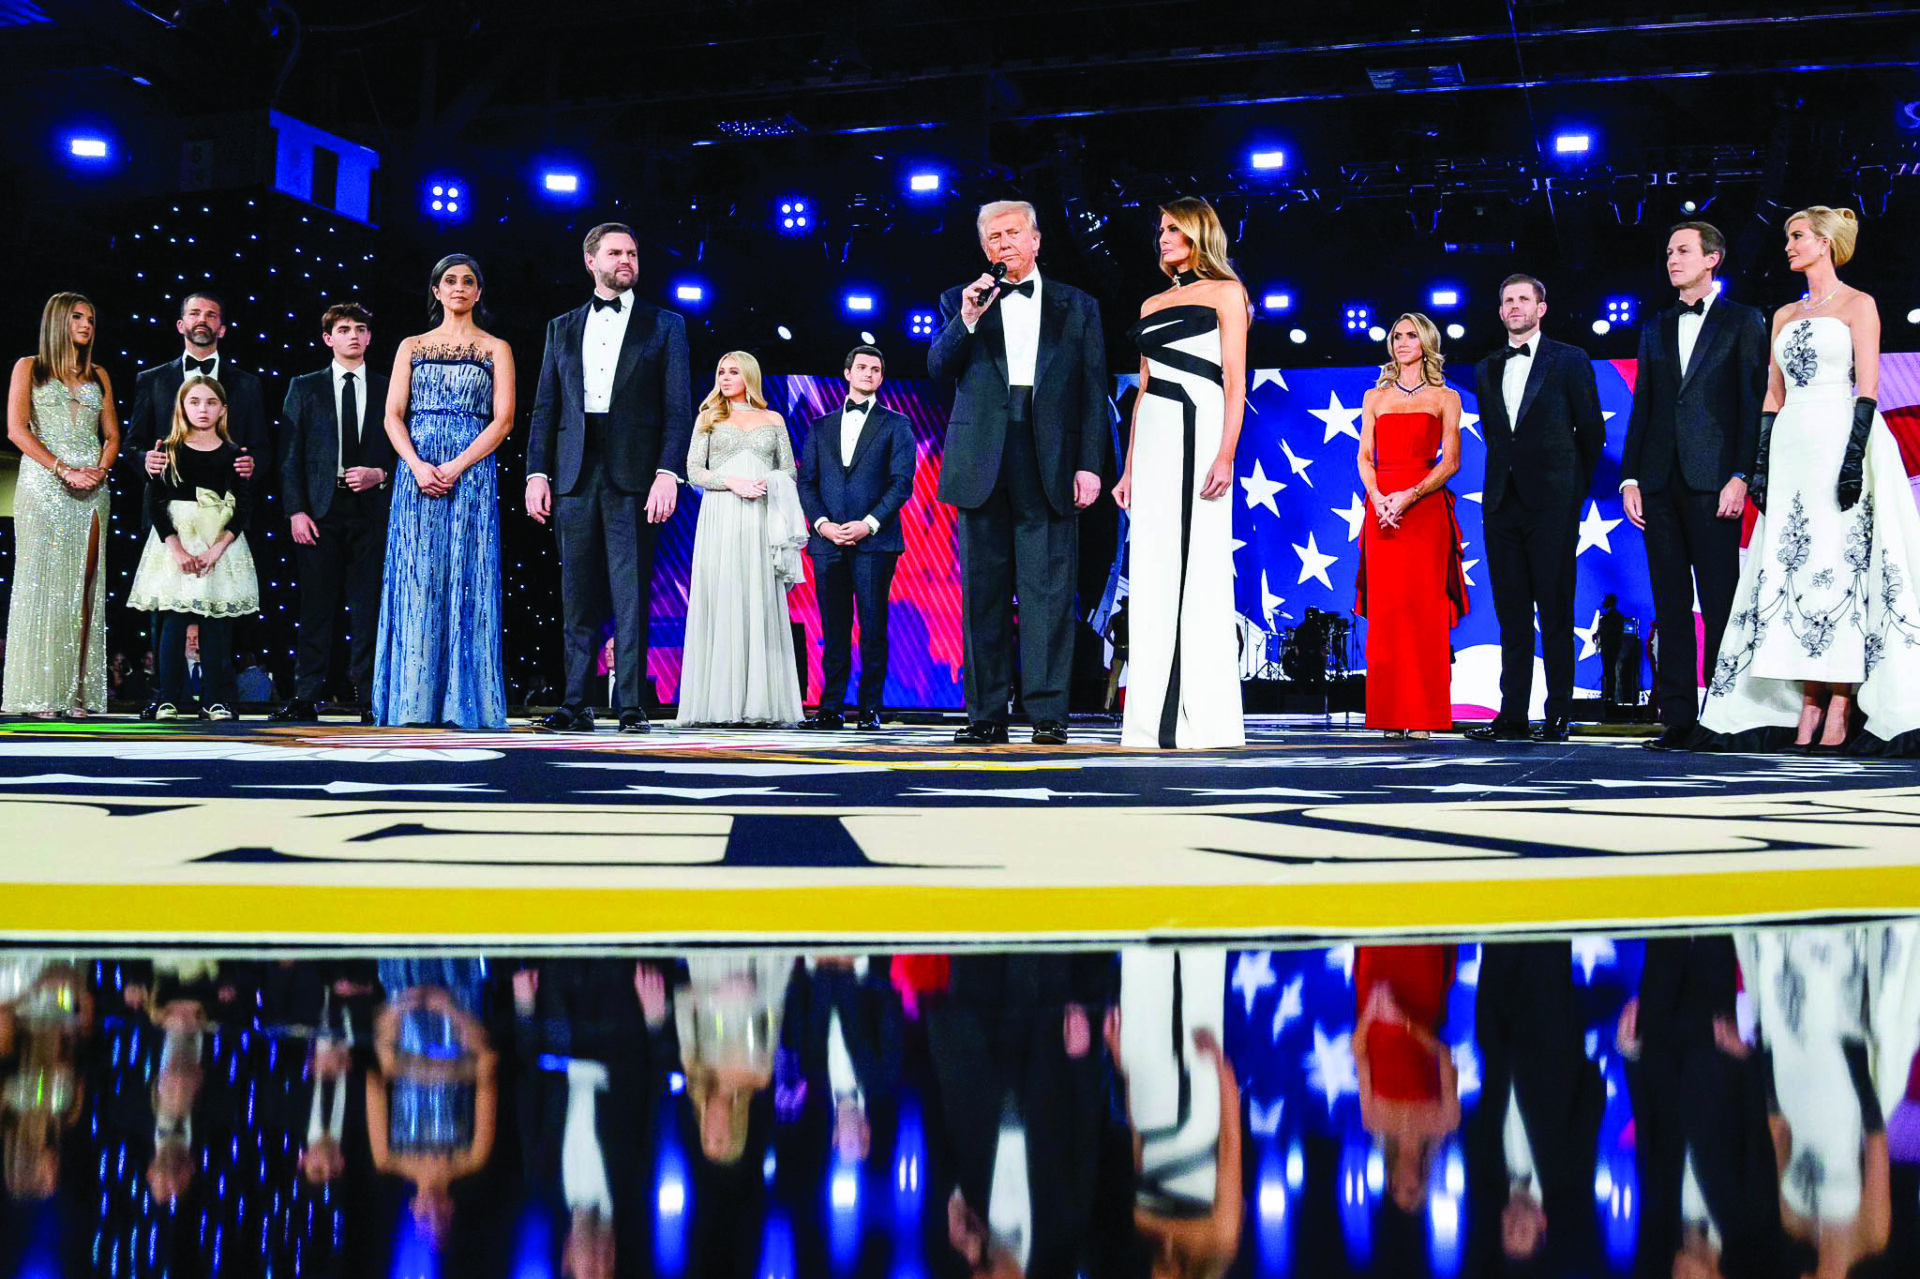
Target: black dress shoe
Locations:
point(981, 732)
point(1499, 731)
point(635, 721)
point(1675, 738)
point(366, 714)
point(565, 721)
point(150, 711)
point(867, 721)
point(1050, 732)
point(297, 711)
point(826, 721)
point(1556, 729)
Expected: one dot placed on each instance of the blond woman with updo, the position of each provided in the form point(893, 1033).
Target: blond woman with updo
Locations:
point(1822, 655)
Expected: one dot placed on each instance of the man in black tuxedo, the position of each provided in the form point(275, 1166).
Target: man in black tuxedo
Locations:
point(1531, 1183)
point(1691, 442)
point(1540, 412)
point(856, 472)
point(202, 324)
point(1027, 444)
point(335, 464)
point(611, 422)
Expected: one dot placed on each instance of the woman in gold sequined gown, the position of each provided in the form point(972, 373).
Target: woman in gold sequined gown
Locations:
point(60, 417)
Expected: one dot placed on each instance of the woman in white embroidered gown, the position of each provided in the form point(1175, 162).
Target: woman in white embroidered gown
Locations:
point(738, 666)
point(1823, 649)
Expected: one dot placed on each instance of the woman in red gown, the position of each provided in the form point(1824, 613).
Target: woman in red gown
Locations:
point(1409, 1090)
point(1412, 588)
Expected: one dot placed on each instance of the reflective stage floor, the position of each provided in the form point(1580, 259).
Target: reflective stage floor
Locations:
point(344, 1002)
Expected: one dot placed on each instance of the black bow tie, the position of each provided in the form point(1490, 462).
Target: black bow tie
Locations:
point(1024, 288)
point(1516, 353)
point(1691, 308)
point(601, 304)
point(199, 366)
point(859, 406)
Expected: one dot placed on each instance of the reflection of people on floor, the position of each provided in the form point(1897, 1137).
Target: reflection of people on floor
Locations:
point(844, 1026)
point(431, 1100)
point(1532, 1142)
point(1023, 1089)
point(1709, 1196)
point(323, 1011)
point(46, 1019)
point(1831, 1005)
point(1183, 1105)
point(592, 1049)
point(728, 1017)
point(1409, 1094)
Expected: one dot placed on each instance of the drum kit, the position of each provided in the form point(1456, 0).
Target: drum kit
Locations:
point(1317, 652)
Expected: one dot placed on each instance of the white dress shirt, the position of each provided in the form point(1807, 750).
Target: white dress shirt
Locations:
point(600, 341)
point(851, 424)
point(213, 372)
point(1010, 1195)
point(1688, 331)
point(583, 1166)
point(1513, 379)
point(1020, 317)
point(340, 376)
point(1518, 1149)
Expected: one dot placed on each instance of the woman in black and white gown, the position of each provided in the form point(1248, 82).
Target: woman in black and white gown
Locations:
point(1823, 649)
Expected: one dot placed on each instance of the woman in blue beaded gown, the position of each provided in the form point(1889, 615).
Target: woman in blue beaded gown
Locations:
point(1823, 649)
point(60, 417)
point(1183, 678)
point(433, 1099)
point(449, 406)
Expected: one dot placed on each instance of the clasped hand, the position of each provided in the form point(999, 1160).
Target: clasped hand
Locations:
point(1389, 507)
point(845, 534)
point(84, 479)
point(191, 564)
point(435, 481)
point(750, 490)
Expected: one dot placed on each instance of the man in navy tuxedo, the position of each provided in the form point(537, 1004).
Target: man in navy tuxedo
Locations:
point(1691, 443)
point(856, 472)
point(1540, 410)
point(605, 452)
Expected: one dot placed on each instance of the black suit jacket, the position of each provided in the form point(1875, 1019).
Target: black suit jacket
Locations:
point(1550, 453)
point(155, 389)
point(310, 439)
point(1710, 418)
point(650, 418)
point(1070, 408)
point(878, 483)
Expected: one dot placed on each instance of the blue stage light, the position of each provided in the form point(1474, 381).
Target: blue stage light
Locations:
point(1268, 160)
point(1620, 310)
point(1358, 317)
point(1443, 298)
point(562, 183)
point(1276, 302)
point(920, 324)
point(444, 198)
point(1297, 336)
point(926, 182)
point(785, 333)
point(860, 303)
point(1572, 143)
point(795, 216)
point(82, 146)
point(690, 291)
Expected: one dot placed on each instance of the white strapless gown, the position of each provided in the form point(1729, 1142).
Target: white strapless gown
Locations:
point(1826, 595)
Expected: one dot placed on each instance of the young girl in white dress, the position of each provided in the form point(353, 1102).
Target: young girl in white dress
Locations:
point(739, 664)
point(196, 567)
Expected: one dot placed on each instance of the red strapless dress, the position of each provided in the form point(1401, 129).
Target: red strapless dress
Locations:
point(1411, 588)
point(1420, 978)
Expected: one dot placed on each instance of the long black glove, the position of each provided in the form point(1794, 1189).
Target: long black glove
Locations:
point(1757, 482)
point(1853, 466)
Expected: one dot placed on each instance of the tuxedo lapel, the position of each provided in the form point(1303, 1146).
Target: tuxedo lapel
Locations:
point(1710, 326)
point(639, 330)
point(1542, 356)
point(870, 428)
point(329, 415)
point(997, 342)
point(1493, 408)
point(1670, 345)
point(1053, 325)
point(573, 373)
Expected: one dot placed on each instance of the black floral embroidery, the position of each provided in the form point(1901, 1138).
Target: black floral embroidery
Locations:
point(1797, 356)
point(1795, 543)
point(1859, 552)
point(1823, 579)
point(1876, 648)
point(1890, 585)
point(1818, 637)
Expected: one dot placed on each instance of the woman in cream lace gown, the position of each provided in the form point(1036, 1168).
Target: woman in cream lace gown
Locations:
point(60, 417)
point(739, 663)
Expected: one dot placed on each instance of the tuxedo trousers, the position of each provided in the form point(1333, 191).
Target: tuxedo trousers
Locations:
point(1689, 548)
point(1530, 561)
point(606, 568)
point(1016, 543)
point(847, 580)
point(347, 560)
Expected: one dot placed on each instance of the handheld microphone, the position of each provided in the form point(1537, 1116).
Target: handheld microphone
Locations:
point(983, 296)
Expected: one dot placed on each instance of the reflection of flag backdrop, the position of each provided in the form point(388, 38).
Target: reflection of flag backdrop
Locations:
point(923, 625)
point(1297, 513)
point(1298, 508)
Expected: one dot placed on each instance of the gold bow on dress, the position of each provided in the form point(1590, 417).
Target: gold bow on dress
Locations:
point(211, 502)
